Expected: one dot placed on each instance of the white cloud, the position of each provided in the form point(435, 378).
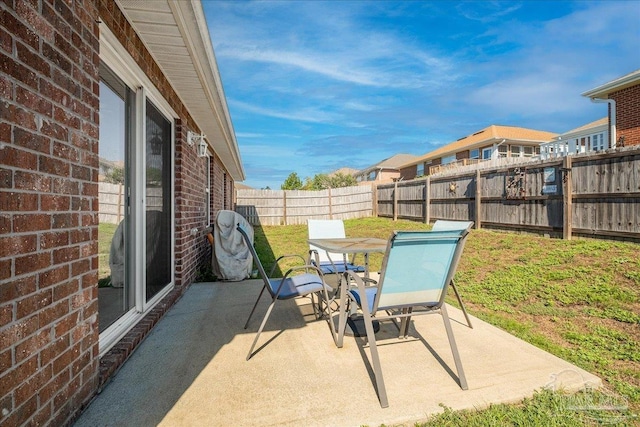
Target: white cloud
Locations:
point(304, 114)
point(344, 48)
point(265, 150)
point(487, 11)
point(555, 62)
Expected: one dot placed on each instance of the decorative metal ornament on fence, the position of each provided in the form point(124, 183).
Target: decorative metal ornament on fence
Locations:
point(515, 185)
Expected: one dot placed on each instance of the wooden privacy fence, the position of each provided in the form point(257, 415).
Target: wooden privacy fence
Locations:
point(288, 207)
point(590, 194)
point(111, 201)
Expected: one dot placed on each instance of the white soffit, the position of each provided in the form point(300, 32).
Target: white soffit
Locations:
point(603, 91)
point(176, 34)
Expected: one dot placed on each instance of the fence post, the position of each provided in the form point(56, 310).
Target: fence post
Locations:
point(330, 206)
point(427, 187)
point(478, 218)
point(374, 200)
point(395, 201)
point(120, 197)
point(284, 206)
point(567, 196)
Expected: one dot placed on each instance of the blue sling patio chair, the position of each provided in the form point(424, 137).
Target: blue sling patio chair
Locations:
point(303, 280)
point(417, 269)
point(440, 225)
point(329, 262)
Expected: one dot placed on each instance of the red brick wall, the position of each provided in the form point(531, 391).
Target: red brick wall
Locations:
point(462, 155)
point(48, 209)
point(191, 201)
point(221, 187)
point(628, 114)
point(49, 91)
point(408, 173)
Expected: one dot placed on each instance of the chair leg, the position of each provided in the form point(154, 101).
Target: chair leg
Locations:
point(454, 348)
point(264, 322)
point(342, 318)
point(404, 324)
point(254, 308)
point(464, 310)
point(375, 359)
point(316, 309)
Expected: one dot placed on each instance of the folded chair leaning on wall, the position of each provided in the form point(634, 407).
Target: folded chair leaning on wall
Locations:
point(303, 280)
point(441, 225)
point(417, 268)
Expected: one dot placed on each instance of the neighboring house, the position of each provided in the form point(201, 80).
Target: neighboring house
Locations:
point(591, 137)
point(493, 142)
point(344, 171)
point(87, 85)
point(623, 97)
point(385, 171)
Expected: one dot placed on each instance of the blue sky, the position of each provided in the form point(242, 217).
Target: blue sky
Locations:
point(314, 86)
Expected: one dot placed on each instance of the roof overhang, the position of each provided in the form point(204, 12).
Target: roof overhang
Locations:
point(602, 92)
point(177, 36)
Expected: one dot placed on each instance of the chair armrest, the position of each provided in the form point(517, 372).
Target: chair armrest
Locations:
point(352, 275)
point(361, 284)
point(368, 280)
point(280, 258)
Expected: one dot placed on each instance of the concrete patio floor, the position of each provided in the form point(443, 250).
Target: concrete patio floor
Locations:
point(191, 370)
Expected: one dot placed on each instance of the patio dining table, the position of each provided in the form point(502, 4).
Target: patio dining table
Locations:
point(347, 246)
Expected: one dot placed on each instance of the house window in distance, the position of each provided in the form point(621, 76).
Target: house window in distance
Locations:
point(502, 151)
point(516, 151)
point(474, 154)
point(420, 169)
point(449, 159)
point(597, 142)
point(528, 151)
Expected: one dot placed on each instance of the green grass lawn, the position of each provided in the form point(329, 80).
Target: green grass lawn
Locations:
point(105, 235)
point(578, 299)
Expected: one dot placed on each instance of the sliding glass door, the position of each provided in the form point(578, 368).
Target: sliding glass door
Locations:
point(135, 205)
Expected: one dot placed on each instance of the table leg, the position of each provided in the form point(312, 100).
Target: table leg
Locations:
point(342, 316)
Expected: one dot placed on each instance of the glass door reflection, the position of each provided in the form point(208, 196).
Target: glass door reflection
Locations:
point(115, 294)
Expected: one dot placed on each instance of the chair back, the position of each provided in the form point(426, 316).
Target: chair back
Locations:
point(418, 267)
point(441, 225)
point(326, 229)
